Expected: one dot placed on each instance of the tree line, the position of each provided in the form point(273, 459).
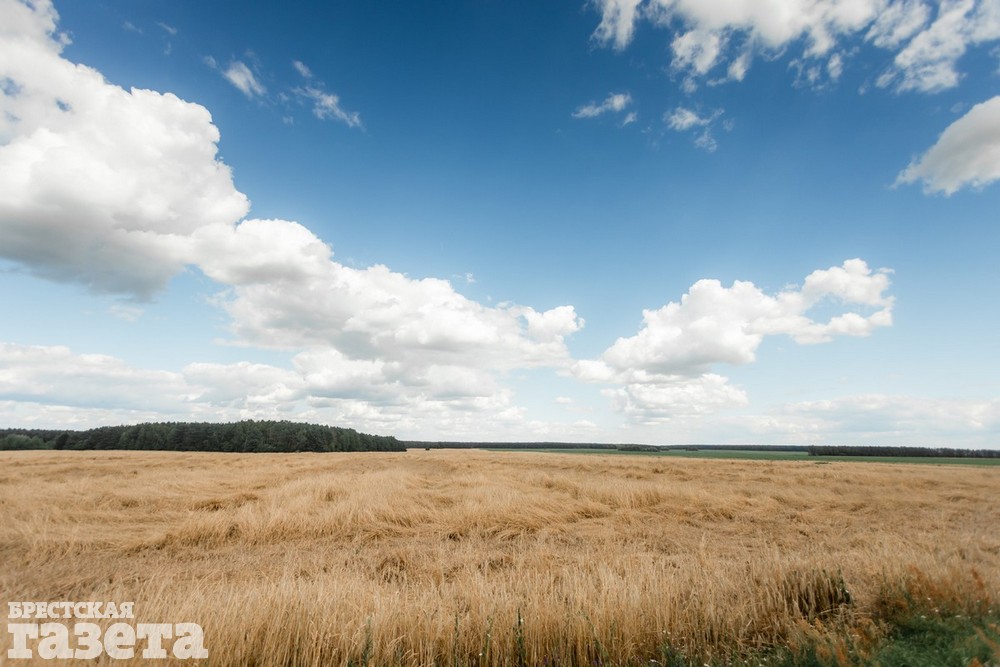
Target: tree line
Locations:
point(435, 444)
point(864, 450)
point(243, 436)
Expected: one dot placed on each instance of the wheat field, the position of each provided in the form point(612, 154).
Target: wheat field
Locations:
point(458, 557)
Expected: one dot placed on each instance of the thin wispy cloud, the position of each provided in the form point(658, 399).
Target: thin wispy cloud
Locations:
point(613, 103)
point(683, 119)
point(244, 79)
point(326, 106)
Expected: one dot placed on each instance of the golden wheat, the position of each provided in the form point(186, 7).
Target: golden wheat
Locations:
point(479, 558)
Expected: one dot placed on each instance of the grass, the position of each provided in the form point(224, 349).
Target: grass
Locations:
point(469, 558)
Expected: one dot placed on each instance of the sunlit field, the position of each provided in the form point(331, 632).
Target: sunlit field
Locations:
point(499, 558)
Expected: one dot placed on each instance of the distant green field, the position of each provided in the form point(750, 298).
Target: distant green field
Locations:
point(768, 456)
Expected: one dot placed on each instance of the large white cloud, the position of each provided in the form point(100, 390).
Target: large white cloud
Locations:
point(99, 185)
point(716, 324)
point(288, 292)
point(966, 154)
point(666, 367)
point(927, 38)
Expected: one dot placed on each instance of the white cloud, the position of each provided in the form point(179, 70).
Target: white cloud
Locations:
point(169, 29)
point(669, 360)
point(286, 291)
point(244, 79)
point(617, 21)
point(697, 50)
point(898, 22)
point(415, 351)
point(326, 106)
point(928, 63)
point(740, 65)
point(966, 154)
point(706, 141)
point(614, 102)
point(835, 66)
point(302, 69)
point(682, 119)
point(99, 185)
point(661, 402)
point(926, 45)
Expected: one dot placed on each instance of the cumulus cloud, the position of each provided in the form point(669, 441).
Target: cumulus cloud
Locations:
point(286, 291)
point(967, 154)
point(926, 39)
point(668, 363)
point(614, 102)
point(99, 185)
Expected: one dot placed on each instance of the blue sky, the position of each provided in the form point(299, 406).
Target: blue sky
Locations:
point(622, 220)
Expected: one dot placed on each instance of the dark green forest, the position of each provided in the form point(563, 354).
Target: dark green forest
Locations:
point(286, 436)
point(244, 436)
point(875, 450)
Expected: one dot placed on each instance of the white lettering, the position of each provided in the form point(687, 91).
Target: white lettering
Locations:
point(156, 632)
point(54, 642)
point(88, 641)
point(119, 640)
point(21, 632)
point(190, 641)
